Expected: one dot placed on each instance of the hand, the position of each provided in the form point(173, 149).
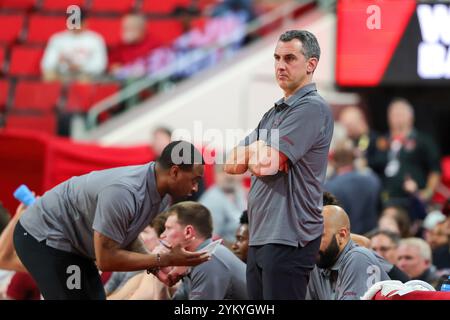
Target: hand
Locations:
point(410, 185)
point(180, 257)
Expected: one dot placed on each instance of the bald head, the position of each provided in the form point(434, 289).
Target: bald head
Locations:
point(335, 218)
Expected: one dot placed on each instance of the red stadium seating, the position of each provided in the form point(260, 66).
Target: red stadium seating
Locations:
point(11, 27)
point(60, 5)
point(36, 95)
point(102, 6)
point(42, 27)
point(163, 7)
point(4, 90)
point(165, 30)
point(2, 59)
point(109, 28)
point(17, 4)
point(25, 61)
point(45, 122)
point(82, 96)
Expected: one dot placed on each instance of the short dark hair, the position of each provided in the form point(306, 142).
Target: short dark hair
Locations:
point(310, 45)
point(195, 214)
point(330, 199)
point(244, 218)
point(394, 237)
point(158, 222)
point(182, 154)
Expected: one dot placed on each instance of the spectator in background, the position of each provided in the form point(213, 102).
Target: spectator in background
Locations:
point(435, 229)
point(357, 191)
point(225, 200)
point(364, 139)
point(240, 247)
point(395, 219)
point(135, 42)
point(385, 243)
point(414, 258)
point(78, 54)
point(437, 236)
point(161, 137)
point(413, 166)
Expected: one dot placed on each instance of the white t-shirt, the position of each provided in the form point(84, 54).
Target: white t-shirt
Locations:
point(86, 49)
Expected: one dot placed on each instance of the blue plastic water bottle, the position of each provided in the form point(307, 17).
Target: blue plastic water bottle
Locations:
point(446, 285)
point(24, 195)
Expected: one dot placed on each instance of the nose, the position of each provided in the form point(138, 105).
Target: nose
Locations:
point(234, 246)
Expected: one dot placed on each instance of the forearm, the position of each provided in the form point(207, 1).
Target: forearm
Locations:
point(124, 260)
point(264, 161)
point(237, 160)
point(8, 256)
point(433, 181)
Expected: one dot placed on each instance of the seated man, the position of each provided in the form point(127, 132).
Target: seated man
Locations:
point(74, 54)
point(344, 270)
point(222, 277)
point(135, 42)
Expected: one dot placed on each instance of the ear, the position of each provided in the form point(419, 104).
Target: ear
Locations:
point(173, 172)
point(311, 65)
point(189, 232)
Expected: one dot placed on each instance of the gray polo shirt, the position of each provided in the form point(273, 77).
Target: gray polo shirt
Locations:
point(222, 277)
point(286, 208)
point(354, 272)
point(118, 203)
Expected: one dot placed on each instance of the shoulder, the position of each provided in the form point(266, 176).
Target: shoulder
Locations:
point(359, 256)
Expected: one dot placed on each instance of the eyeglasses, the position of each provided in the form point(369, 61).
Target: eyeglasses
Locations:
point(382, 249)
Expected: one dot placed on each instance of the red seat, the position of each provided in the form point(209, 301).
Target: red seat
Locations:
point(109, 28)
point(166, 30)
point(17, 4)
point(42, 27)
point(2, 59)
point(36, 95)
point(60, 5)
point(163, 6)
point(25, 61)
point(11, 27)
point(4, 93)
point(45, 122)
point(122, 6)
point(82, 96)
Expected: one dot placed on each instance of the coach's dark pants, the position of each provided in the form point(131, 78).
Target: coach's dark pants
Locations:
point(59, 275)
point(280, 272)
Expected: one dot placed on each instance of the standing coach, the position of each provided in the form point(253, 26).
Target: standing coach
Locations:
point(287, 155)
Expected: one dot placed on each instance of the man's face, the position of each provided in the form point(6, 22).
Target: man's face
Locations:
point(290, 65)
point(329, 249)
point(240, 247)
point(384, 246)
point(184, 183)
point(410, 261)
point(437, 236)
point(174, 233)
point(400, 117)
